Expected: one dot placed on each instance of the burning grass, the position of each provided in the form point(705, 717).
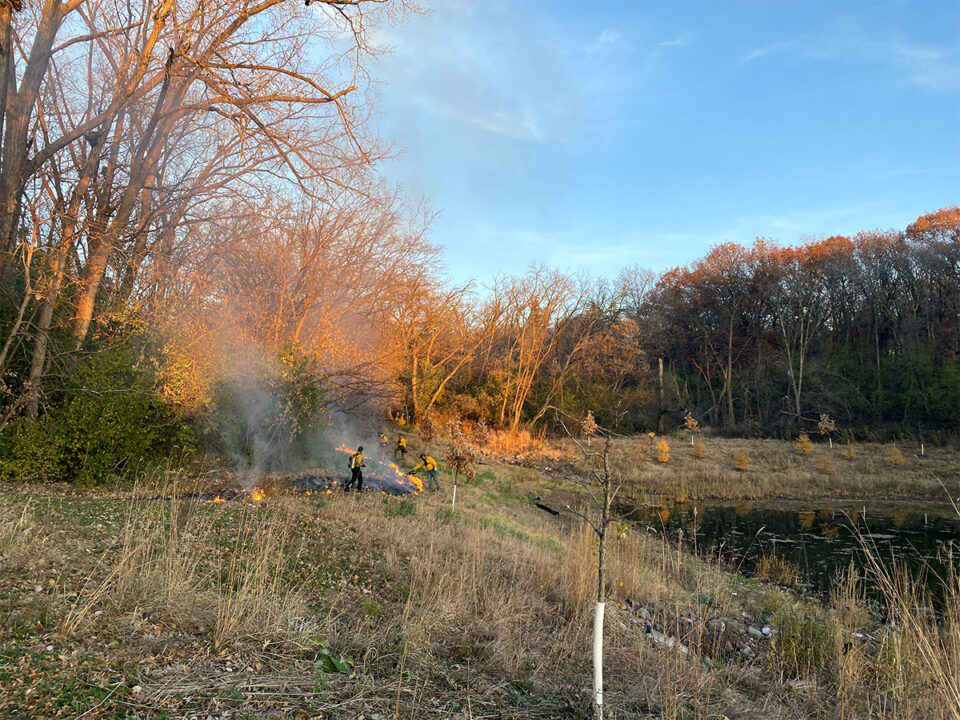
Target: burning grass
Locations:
point(345, 605)
point(389, 472)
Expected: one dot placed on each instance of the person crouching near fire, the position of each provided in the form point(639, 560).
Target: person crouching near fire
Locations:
point(356, 476)
point(430, 465)
point(400, 448)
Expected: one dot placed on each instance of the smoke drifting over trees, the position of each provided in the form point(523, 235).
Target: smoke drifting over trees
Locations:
point(190, 205)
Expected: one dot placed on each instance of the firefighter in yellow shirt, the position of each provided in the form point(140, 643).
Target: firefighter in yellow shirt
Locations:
point(400, 448)
point(356, 476)
point(430, 465)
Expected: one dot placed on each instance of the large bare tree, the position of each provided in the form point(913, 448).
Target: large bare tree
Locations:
point(124, 124)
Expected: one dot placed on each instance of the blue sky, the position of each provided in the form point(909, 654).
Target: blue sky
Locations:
point(603, 134)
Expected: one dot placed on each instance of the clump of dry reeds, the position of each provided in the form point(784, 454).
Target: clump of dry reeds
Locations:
point(697, 449)
point(894, 458)
point(775, 568)
point(920, 653)
point(21, 539)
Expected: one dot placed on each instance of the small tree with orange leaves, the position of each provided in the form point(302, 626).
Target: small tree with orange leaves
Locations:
point(741, 461)
point(481, 435)
point(663, 451)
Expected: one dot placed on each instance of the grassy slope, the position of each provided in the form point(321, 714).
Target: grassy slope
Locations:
point(777, 470)
point(342, 606)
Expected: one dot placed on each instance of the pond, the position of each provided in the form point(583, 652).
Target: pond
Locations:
point(818, 540)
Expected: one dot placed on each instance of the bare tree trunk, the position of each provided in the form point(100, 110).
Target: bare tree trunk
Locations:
point(42, 335)
point(661, 410)
point(415, 387)
point(58, 266)
point(18, 321)
point(878, 405)
point(6, 58)
point(729, 379)
point(90, 279)
point(17, 121)
point(602, 481)
point(138, 187)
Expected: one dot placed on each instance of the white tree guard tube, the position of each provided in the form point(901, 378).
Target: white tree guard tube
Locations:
point(598, 660)
point(453, 505)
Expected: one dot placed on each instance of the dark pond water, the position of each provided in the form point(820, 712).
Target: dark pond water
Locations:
point(820, 540)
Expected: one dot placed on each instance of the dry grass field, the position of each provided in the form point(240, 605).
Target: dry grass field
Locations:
point(705, 468)
point(123, 605)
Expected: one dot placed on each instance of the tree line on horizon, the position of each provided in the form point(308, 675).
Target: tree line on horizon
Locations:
point(757, 340)
point(197, 253)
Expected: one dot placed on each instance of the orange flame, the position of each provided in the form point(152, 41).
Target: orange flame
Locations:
point(257, 494)
point(402, 478)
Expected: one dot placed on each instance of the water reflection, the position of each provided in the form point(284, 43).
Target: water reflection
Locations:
point(821, 539)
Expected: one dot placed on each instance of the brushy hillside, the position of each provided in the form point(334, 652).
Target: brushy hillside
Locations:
point(332, 605)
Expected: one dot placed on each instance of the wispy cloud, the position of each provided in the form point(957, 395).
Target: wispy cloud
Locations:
point(518, 124)
point(681, 41)
point(495, 81)
point(606, 39)
point(933, 68)
point(767, 50)
point(928, 67)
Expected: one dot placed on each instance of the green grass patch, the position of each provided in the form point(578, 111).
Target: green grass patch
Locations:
point(399, 508)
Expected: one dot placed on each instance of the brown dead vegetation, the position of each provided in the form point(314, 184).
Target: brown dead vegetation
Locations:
point(776, 470)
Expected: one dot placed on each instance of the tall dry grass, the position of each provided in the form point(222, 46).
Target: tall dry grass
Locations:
point(520, 444)
point(532, 602)
point(21, 538)
point(177, 564)
point(920, 655)
point(520, 605)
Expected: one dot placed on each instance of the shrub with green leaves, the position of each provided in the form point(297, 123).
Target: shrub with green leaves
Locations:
point(108, 422)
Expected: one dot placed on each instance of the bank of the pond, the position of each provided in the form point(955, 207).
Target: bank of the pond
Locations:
point(728, 469)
